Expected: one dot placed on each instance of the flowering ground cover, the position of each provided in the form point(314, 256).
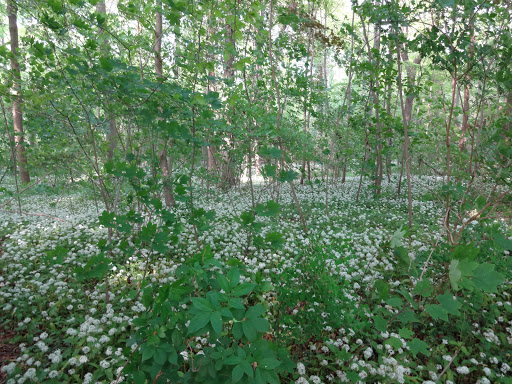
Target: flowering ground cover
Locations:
point(242, 296)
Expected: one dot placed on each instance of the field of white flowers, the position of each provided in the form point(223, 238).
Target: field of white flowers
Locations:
point(346, 299)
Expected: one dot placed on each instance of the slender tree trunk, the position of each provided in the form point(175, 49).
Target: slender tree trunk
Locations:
point(112, 133)
point(465, 105)
point(227, 178)
point(163, 158)
point(406, 137)
point(280, 113)
point(17, 114)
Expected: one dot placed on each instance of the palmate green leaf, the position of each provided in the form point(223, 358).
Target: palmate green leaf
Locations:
point(450, 305)
point(288, 176)
point(396, 239)
point(406, 333)
point(275, 239)
point(418, 346)
point(436, 312)
point(394, 342)
point(487, 279)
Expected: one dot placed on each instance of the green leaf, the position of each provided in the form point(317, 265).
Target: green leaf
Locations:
point(418, 346)
point(396, 239)
point(270, 363)
point(243, 289)
point(232, 360)
point(147, 352)
point(275, 239)
point(380, 323)
point(394, 342)
point(288, 176)
point(423, 288)
point(106, 64)
point(260, 324)
point(238, 332)
point(234, 276)
point(255, 311)
point(236, 303)
point(436, 311)
point(199, 322)
point(249, 331)
point(450, 305)
point(237, 373)
point(501, 240)
point(216, 321)
point(487, 279)
point(406, 333)
point(223, 282)
point(455, 274)
point(202, 304)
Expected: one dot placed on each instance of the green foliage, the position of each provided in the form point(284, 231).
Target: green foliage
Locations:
point(214, 304)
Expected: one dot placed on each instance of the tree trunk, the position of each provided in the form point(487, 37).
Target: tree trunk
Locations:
point(112, 133)
point(405, 120)
point(163, 159)
point(17, 114)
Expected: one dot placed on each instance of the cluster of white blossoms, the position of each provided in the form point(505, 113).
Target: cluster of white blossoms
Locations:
point(40, 286)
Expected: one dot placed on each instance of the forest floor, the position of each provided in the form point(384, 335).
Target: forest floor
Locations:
point(349, 286)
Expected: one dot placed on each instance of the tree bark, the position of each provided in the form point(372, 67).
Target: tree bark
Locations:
point(112, 133)
point(17, 114)
point(406, 136)
point(163, 159)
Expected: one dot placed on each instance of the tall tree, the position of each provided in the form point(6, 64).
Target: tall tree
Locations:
point(112, 133)
point(17, 114)
point(163, 159)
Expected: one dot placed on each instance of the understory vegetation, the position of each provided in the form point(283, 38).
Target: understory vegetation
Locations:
point(361, 298)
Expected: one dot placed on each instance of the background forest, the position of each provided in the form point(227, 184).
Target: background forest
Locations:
point(255, 191)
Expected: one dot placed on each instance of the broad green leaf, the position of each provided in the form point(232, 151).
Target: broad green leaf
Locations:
point(202, 304)
point(199, 322)
point(423, 288)
point(243, 289)
point(487, 279)
point(394, 342)
point(436, 311)
point(237, 373)
point(216, 321)
point(249, 330)
point(406, 333)
point(255, 311)
point(449, 304)
point(260, 324)
point(380, 324)
point(233, 276)
point(396, 239)
point(418, 346)
point(455, 274)
point(236, 303)
point(270, 363)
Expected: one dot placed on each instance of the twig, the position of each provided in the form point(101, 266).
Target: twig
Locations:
point(449, 363)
